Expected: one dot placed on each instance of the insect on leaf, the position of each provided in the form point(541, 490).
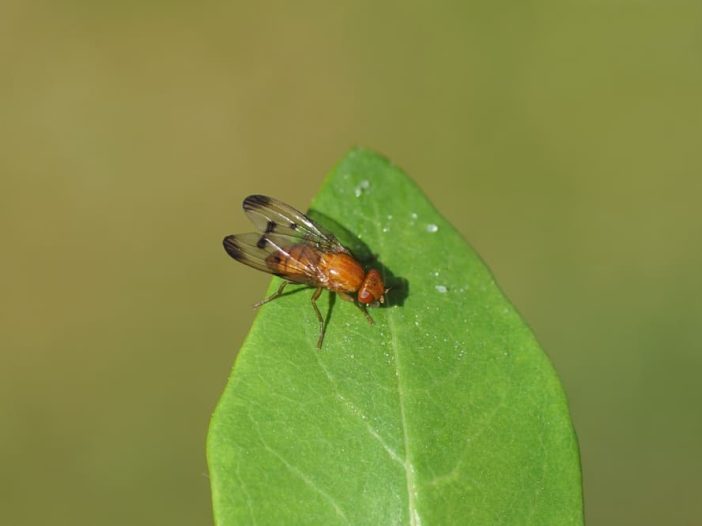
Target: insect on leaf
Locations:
point(446, 411)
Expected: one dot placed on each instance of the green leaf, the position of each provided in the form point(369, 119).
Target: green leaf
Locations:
point(446, 411)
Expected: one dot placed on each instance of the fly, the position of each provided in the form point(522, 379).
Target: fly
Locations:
point(290, 245)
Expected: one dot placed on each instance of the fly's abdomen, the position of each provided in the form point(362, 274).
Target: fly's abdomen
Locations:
point(298, 263)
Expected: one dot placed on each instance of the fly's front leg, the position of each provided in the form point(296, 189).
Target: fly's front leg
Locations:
point(346, 297)
point(315, 297)
point(364, 310)
point(273, 296)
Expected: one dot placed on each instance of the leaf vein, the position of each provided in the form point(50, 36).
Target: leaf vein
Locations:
point(301, 475)
point(407, 463)
point(358, 413)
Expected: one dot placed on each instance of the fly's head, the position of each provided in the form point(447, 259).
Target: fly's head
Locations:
point(372, 290)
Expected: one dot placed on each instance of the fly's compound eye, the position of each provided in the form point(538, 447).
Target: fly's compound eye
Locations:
point(364, 296)
point(372, 290)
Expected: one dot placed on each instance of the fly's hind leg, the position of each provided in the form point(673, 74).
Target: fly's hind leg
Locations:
point(315, 297)
point(273, 296)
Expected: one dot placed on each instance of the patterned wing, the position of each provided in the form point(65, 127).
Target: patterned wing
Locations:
point(271, 216)
point(276, 254)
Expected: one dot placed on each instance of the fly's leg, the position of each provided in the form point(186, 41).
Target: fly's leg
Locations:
point(315, 297)
point(273, 296)
point(363, 308)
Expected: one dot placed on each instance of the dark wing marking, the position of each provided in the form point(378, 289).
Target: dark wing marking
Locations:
point(272, 216)
point(269, 253)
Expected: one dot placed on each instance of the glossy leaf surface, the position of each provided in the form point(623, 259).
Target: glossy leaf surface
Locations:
point(446, 411)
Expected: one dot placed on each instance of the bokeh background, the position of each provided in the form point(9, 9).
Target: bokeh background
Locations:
point(563, 139)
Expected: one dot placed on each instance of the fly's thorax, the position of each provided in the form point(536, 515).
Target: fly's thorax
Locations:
point(343, 273)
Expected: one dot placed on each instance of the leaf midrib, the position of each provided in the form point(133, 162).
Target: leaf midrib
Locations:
point(407, 463)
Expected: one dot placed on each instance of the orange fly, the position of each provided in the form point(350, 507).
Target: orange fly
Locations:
point(290, 245)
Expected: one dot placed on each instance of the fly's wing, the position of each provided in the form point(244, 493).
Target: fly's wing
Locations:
point(276, 254)
point(271, 216)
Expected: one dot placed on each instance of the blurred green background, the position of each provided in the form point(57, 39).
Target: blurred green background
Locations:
point(563, 139)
